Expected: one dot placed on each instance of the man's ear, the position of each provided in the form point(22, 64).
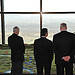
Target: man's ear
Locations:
point(46, 34)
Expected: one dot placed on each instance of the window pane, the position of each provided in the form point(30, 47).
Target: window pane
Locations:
point(0, 31)
point(21, 5)
point(58, 5)
point(0, 5)
point(53, 21)
point(29, 25)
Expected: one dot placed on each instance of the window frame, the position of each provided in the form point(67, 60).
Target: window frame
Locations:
point(41, 12)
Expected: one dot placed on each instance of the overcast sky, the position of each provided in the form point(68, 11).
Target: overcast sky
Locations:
point(21, 5)
point(34, 5)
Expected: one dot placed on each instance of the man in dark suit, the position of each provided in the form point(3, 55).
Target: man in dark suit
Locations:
point(43, 53)
point(17, 46)
point(64, 42)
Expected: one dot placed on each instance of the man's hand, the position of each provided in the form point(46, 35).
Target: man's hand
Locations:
point(66, 58)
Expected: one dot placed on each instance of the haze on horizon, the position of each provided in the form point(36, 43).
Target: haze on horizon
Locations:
point(30, 23)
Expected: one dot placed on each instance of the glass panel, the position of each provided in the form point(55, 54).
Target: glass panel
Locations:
point(21, 5)
point(0, 31)
point(58, 5)
point(53, 21)
point(29, 25)
point(0, 5)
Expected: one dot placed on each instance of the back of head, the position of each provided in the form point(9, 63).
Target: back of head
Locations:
point(63, 26)
point(16, 30)
point(44, 31)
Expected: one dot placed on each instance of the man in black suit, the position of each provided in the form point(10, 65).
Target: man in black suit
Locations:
point(17, 46)
point(64, 42)
point(43, 53)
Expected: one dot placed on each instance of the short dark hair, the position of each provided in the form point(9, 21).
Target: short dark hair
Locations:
point(44, 31)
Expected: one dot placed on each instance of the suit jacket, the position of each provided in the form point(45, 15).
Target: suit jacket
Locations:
point(17, 46)
point(43, 50)
point(64, 45)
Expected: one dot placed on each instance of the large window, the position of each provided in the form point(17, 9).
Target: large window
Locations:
point(21, 13)
point(31, 16)
point(29, 25)
point(0, 31)
point(53, 21)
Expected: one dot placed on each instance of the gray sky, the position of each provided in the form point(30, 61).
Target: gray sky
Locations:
point(0, 5)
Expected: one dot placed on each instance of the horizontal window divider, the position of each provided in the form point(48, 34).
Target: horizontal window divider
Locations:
point(38, 12)
point(21, 12)
point(58, 12)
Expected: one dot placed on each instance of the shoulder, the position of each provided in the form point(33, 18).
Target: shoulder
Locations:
point(20, 37)
point(36, 40)
point(48, 40)
point(57, 34)
point(72, 34)
point(10, 36)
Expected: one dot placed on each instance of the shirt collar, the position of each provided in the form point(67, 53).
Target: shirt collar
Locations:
point(43, 36)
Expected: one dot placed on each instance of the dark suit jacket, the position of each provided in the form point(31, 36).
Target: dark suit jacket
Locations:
point(17, 47)
point(64, 45)
point(43, 50)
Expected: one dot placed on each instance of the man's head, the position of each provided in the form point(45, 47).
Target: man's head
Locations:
point(63, 27)
point(44, 32)
point(16, 30)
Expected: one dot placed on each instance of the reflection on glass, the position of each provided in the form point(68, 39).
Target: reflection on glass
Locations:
point(53, 21)
point(29, 25)
point(21, 5)
point(58, 5)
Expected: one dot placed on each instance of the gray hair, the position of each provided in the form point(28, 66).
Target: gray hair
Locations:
point(63, 25)
point(15, 29)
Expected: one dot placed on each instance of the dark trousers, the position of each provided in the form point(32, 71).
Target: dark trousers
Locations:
point(17, 68)
point(40, 67)
point(68, 68)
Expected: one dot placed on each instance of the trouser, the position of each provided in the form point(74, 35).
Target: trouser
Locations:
point(68, 68)
point(17, 68)
point(40, 67)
